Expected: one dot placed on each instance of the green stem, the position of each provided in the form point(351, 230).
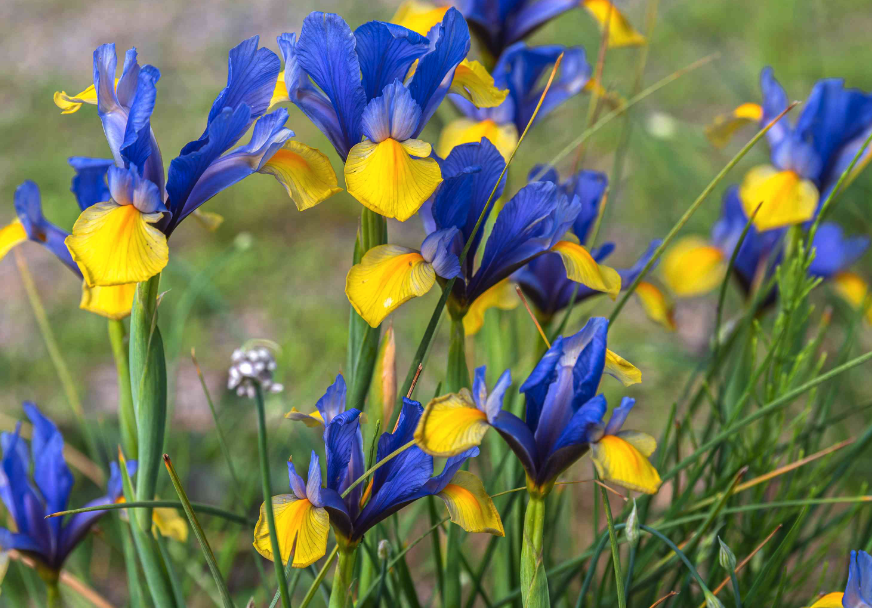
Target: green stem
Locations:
point(316, 584)
point(616, 554)
point(342, 579)
point(126, 414)
point(458, 373)
point(457, 377)
point(53, 595)
point(267, 498)
point(534, 583)
point(451, 598)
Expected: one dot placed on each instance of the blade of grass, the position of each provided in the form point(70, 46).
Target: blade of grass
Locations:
point(199, 507)
point(313, 588)
point(616, 554)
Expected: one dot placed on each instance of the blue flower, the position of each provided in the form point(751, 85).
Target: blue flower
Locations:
point(307, 513)
point(858, 592)
point(29, 500)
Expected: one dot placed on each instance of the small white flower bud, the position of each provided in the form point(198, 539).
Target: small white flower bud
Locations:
point(726, 557)
point(384, 549)
point(632, 529)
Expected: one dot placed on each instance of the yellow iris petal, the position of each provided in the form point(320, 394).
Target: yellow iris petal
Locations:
point(419, 17)
point(786, 199)
point(111, 301)
point(656, 305)
point(72, 103)
point(10, 236)
point(386, 277)
point(388, 178)
point(465, 131)
point(643, 442)
point(305, 173)
point(724, 126)
point(693, 267)
point(116, 244)
point(295, 519)
point(582, 268)
point(472, 81)
point(854, 290)
point(171, 524)
point(280, 93)
point(830, 600)
point(622, 369)
point(313, 420)
point(618, 461)
point(502, 296)
point(621, 33)
point(469, 505)
point(451, 424)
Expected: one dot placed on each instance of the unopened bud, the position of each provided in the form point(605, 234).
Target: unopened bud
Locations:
point(384, 549)
point(726, 557)
point(632, 529)
point(711, 601)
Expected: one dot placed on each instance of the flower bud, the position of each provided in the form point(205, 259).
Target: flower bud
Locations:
point(384, 549)
point(250, 366)
point(726, 557)
point(711, 601)
point(632, 529)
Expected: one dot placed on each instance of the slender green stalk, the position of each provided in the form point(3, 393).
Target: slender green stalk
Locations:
point(679, 553)
point(316, 584)
point(201, 536)
point(267, 497)
point(457, 376)
point(376, 466)
point(736, 593)
point(199, 507)
point(690, 211)
point(53, 595)
point(126, 414)
point(534, 582)
point(616, 554)
point(342, 579)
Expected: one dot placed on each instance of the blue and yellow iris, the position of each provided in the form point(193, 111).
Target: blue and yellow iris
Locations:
point(858, 592)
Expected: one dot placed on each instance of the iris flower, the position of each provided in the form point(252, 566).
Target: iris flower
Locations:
point(544, 280)
point(694, 266)
point(563, 417)
point(808, 157)
point(30, 499)
point(113, 302)
point(369, 105)
point(121, 235)
point(858, 592)
point(500, 23)
point(520, 71)
point(531, 224)
point(307, 513)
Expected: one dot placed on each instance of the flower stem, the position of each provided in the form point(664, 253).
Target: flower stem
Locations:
point(53, 595)
point(126, 414)
point(534, 583)
point(342, 579)
point(267, 497)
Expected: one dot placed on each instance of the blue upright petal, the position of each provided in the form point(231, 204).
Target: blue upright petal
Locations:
point(589, 187)
point(520, 440)
point(403, 433)
point(129, 80)
point(310, 100)
point(28, 207)
point(313, 483)
point(89, 183)
point(587, 351)
point(438, 249)
point(139, 146)
point(111, 113)
point(535, 387)
point(339, 438)
point(386, 52)
point(438, 482)
point(573, 441)
point(834, 252)
point(326, 52)
point(619, 415)
point(187, 169)
point(298, 485)
point(533, 15)
point(630, 274)
point(774, 103)
point(332, 403)
point(858, 592)
point(394, 114)
point(435, 70)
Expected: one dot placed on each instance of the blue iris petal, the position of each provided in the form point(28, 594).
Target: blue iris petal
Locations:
point(89, 183)
point(139, 146)
point(111, 113)
point(432, 77)
point(834, 252)
point(532, 16)
point(50, 470)
point(28, 207)
point(386, 52)
point(313, 483)
point(129, 80)
point(589, 346)
point(619, 415)
point(438, 249)
point(535, 387)
point(298, 485)
point(858, 592)
point(339, 439)
point(127, 188)
point(574, 440)
point(394, 114)
point(517, 435)
point(774, 103)
point(589, 187)
point(326, 52)
point(332, 403)
point(438, 482)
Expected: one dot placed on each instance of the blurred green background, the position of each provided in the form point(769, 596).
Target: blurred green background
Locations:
point(272, 272)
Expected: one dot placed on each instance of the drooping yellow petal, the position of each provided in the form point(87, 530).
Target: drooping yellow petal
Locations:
point(465, 131)
point(502, 296)
point(392, 178)
point(170, 524)
point(854, 290)
point(643, 442)
point(295, 519)
point(619, 462)
point(418, 16)
point(470, 506)
point(10, 236)
point(724, 126)
point(786, 199)
point(830, 600)
point(71, 103)
point(305, 173)
point(622, 369)
point(110, 301)
point(451, 424)
point(472, 81)
point(280, 93)
point(582, 268)
point(621, 33)
point(656, 305)
point(208, 219)
point(387, 276)
point(693, 267)
point(313, 420)
point(116, 244)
